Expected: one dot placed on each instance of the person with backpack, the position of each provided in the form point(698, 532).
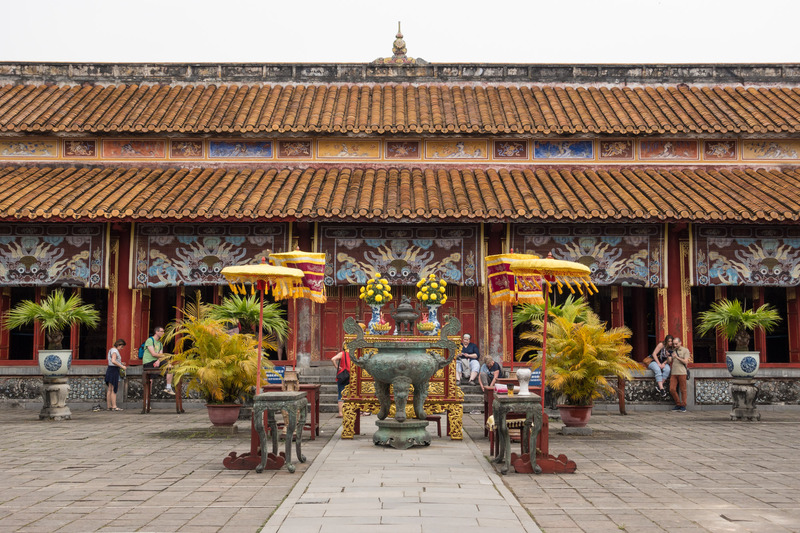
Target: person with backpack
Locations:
point(153, 351)
point(342, 363)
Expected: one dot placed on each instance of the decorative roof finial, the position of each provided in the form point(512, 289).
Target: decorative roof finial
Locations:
point(399, 53)
point(399, 48)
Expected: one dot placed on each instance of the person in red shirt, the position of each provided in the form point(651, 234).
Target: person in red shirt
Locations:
point(342, 363)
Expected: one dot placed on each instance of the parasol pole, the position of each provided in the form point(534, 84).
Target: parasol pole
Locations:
point(546, 287)
point(260, 284)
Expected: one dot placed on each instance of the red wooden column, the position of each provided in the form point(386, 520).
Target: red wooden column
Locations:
point(124, 320)
point(677, 324)
point(793, 318)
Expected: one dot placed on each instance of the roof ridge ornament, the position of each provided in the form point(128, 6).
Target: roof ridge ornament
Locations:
point(399, 56)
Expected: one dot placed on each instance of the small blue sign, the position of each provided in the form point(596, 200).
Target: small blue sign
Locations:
point(275, 375)
point(536, 378)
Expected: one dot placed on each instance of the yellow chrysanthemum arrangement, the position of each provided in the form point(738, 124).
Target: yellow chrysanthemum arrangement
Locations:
point(377, 291)
point(431, 290)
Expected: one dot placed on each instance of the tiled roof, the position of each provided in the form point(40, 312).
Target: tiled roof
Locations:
point(398, 108)
point(392, 193)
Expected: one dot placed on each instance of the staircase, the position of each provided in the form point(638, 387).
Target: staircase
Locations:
point(325, 375)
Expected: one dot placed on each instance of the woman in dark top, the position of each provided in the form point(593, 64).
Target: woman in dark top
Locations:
point(490, 373)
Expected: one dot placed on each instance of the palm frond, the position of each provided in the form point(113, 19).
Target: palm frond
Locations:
point(54, 313)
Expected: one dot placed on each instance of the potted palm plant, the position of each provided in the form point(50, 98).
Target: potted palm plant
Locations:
point(245, 310)
point(219, 366)
point(581, 355)
point(734, 323)
point(54, 314)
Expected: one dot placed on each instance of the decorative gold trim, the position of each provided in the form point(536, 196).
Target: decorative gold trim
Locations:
point(685, 291)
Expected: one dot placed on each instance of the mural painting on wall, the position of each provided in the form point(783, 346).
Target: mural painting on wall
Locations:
point(124, 149)
point(335, 149)
point(80, 148)
point(511, 149)
point(749, 255)
point(240, 149)
point(186, 149)
point(563, 150)
point(402, 150)
point(616, 149)
point(719, 150)
point(465, 149)
point(402, 255)
point(617, 255)
point(668, 149)
point(41, 255)
point(770, 149)
point(294, 149)
point(194, 254)
point(28, 148)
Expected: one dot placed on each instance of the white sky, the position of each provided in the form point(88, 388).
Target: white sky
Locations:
point(532, 31)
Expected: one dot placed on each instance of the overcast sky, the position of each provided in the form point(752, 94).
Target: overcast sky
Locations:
point(534, 31)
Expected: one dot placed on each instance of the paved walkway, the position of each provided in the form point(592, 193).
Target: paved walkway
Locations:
point(648, 471)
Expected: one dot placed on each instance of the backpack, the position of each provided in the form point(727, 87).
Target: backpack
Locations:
point(142, 349)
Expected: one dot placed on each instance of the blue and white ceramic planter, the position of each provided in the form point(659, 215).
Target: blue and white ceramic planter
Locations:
point(55, 363)
point(742, 364)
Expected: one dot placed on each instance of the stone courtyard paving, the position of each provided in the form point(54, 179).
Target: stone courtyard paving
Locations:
point(665, 471)
point(648, 471)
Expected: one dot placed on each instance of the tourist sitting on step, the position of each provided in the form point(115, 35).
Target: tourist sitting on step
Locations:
point(468, 362)
point(489, 374)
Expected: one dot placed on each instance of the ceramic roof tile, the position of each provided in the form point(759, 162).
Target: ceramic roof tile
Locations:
point(407, 193)
point(379, 108)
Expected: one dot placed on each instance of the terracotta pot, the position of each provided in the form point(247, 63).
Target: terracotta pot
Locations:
point(575, 416)
point(223, 414)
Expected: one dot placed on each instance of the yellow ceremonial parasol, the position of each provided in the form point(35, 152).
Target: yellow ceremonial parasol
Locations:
point(261, 276)
point(541, 274)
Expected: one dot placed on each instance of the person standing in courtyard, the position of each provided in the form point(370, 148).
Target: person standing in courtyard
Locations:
point(112, 375)
point(154, 352)
point(677, 385)
point(468, 363)
point(342, 363)
point(658, 362)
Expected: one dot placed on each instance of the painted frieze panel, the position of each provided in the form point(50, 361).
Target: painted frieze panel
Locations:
point(195, 254)
point(746, 255)
point(617, 149)
point(72, 255)
point(240, 149)
point(630, 255)
point(186, 149)
point(29, 148)
point(402, 150)
point(80, 148)
point(563, 150)
point(719, 150)
point(131, 149)
point(463, 149)
point(770, 149)
point(402, 255)
point(668, 149)
point(294, 149)
point(510, 149)
point(343, 149)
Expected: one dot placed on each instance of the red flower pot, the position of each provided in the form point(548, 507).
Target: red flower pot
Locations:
point(223, 414)
point(575, 416)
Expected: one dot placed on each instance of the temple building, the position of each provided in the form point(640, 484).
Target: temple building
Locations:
point(135, 184)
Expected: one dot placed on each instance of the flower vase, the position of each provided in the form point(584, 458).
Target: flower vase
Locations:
point(375, 320)
point(433, 318)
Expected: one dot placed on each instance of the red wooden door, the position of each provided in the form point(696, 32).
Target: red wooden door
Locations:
point(342, 303)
